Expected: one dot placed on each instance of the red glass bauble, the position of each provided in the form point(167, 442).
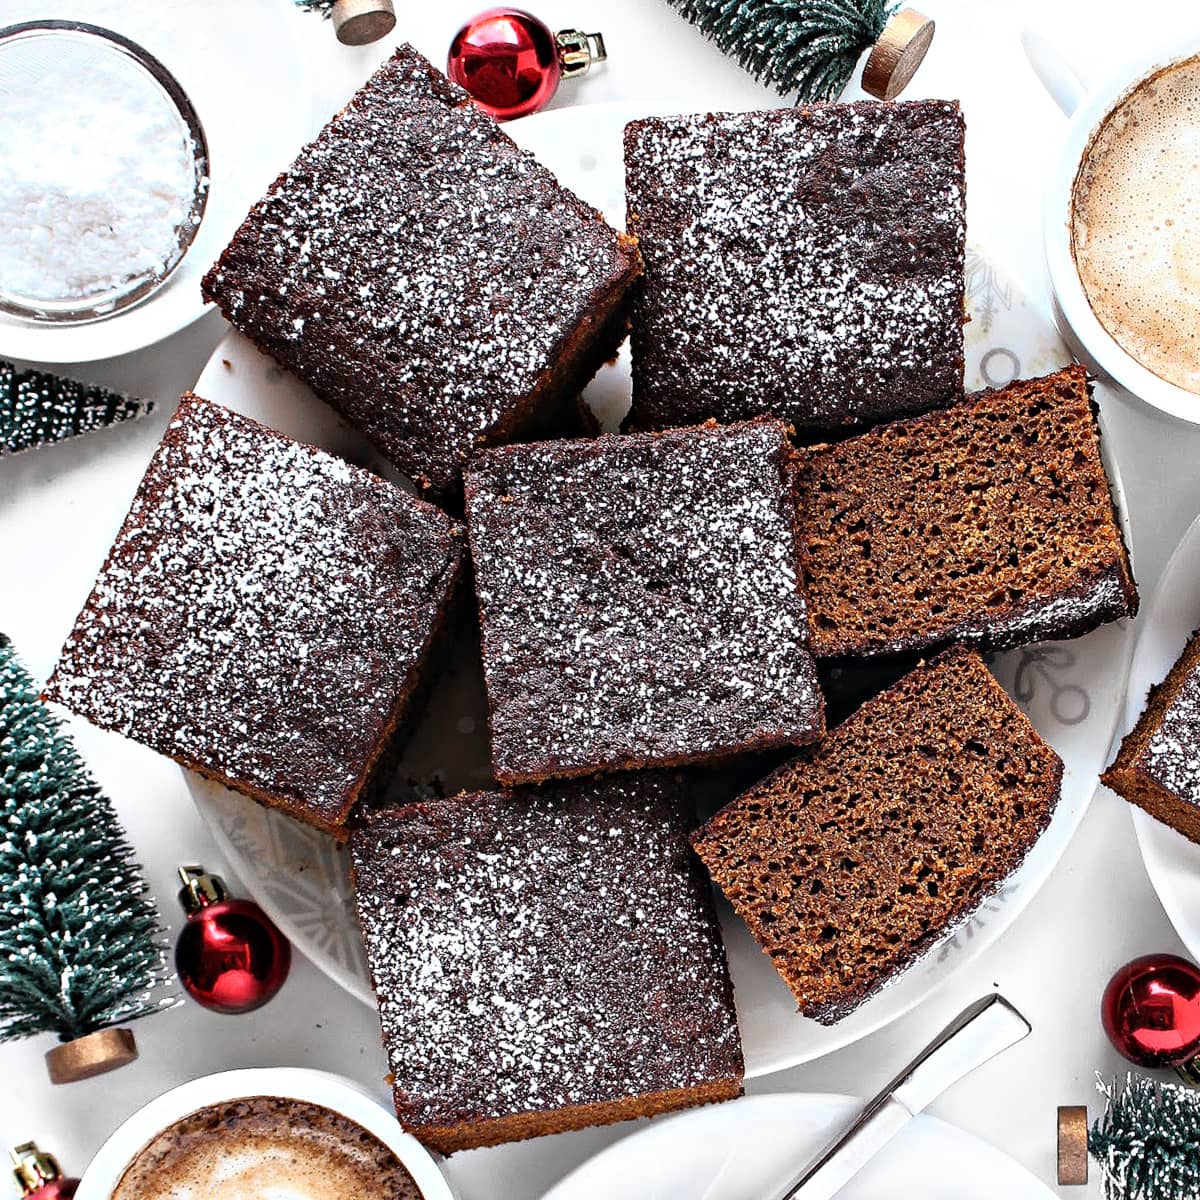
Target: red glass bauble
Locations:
point(230, 957)
point(1151, 1010)
point(508, 60)
point(56, 1189)
point(38, 1175)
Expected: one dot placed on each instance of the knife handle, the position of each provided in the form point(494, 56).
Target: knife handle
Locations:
point(977, 1034)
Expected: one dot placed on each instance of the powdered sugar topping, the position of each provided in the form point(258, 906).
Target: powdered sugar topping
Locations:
point(542, 950)
point(805, 262)
point(264, 607)
point(97, 171)
point(1038, 618)
point(1172, 754)
point(417, 269)
point(639, 599)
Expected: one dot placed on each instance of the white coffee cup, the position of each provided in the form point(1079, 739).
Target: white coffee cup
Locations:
point(1087, 105)
point(292, 1083)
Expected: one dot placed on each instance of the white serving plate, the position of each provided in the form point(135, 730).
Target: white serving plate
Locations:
point(1172, 861)
point(753, 1147)
point(1072, 691)
point(244, 71)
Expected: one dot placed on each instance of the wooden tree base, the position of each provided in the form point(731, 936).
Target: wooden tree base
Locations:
point(899, 52)
point(358, 22)
point(1072, 1145)
point(93, 1054)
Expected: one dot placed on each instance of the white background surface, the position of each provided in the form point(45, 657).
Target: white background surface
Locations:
point(1096, 912)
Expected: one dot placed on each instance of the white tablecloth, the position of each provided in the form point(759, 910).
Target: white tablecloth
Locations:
point(1098, 909)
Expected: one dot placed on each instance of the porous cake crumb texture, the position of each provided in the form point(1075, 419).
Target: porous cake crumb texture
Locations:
point(544, 960)
point(855, 859)
point(989, 522)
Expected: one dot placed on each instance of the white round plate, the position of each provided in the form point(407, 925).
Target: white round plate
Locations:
point(242, 67)
point(753, 1147)
point(1172, 861)
point(1071, 691)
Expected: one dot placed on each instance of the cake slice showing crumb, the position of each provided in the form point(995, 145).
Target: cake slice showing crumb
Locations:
point(855, 859)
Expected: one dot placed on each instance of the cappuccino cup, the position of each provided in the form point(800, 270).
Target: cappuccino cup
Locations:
point(1122, 220)
point(278, 1132)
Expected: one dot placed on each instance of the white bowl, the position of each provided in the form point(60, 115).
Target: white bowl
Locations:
point(292, 1083)
point(245, 66)
point(1087, 106)
point(75, 46)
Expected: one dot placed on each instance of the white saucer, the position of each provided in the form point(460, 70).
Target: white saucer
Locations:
point(1172, 862)
point(753, 1147)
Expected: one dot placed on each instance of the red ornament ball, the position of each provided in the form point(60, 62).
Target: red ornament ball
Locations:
point(508, 60)
point(230, 957)
point(1151, 1011)
point(54, 1189)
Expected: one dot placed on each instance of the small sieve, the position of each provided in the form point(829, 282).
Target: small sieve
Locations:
point(28, 53)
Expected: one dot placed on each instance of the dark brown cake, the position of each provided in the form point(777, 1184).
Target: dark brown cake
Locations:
point(849, 863)
point(264, 614)
point(639, 600)
point(544, 960)
point(427, 278)
point(989, 522)
point(1158, 766)
point(807, 262)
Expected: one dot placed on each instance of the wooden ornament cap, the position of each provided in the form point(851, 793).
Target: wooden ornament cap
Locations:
point(1072, 1145)
point(93, 1054)
point(900, 50)
point(358, 22)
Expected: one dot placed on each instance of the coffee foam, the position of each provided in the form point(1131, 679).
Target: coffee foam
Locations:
point(1135, 224)
point(265, 1148)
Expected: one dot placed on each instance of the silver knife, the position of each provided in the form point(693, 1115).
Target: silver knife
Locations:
point(977, 1034)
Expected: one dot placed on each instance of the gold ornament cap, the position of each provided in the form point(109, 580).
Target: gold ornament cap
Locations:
point(578, 51)
point(32, 1168)
point(901, 49)
point(200, 889)
point(359, 22)
point(94, 1054)
point(1072, 1145)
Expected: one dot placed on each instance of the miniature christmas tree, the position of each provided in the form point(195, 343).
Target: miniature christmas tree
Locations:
point(1148, 1141)
point(80, 944)
point(37, 408)
point(802, 47)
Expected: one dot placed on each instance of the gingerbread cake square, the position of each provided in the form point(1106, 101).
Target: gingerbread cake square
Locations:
point(805, 262)
point(544, 960)
point(989, 522)
point(1158, 765)
point(264, 616)
point(426, 277)
point(854, 860)
point(639, 600)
